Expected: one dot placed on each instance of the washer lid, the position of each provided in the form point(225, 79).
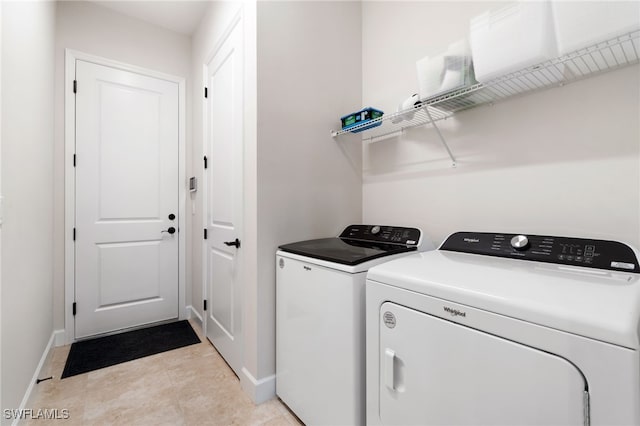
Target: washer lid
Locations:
point(361, 243)
point(599, 304)
point(344, 251)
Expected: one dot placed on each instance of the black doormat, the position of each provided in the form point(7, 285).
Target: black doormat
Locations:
point(106, 351)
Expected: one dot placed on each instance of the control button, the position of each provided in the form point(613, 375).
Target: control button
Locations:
point(520, 242)
point(560, 257)
point(569, 257)
point(623, 265)
point(579, 258)
point(375, 230)
point(541, 253)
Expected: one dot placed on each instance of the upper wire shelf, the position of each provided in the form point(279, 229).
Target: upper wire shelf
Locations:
point(601, 57)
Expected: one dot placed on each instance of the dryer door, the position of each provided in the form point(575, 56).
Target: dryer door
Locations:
point(436, 372)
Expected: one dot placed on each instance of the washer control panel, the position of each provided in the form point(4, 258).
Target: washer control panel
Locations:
point(601, 254)
point(383, 234)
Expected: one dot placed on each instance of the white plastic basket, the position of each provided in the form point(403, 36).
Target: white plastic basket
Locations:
point(580, 24)
point(446, 72)
point(511, 38)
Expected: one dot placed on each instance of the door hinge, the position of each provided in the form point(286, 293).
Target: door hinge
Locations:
point(74, 309)
point(206, 94)
point(75, 86)
point(74, 234)
point(74, 160)
point(205, 161)
point(205, 233)
point(205, 304)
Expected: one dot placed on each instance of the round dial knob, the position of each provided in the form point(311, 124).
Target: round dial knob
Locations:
point(375, 230)
point(520, 242)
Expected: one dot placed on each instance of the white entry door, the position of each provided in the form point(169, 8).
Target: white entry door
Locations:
point(126, 199)
point(223, 148)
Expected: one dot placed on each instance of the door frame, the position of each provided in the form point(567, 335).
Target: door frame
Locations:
point(70, 188)
point(238, 19)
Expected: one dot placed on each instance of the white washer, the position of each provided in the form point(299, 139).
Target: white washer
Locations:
point(503, 329)
point(320, 330)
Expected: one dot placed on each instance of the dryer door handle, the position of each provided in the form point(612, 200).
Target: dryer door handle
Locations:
point(389, 367)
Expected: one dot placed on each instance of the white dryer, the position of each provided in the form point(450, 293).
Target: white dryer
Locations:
point(503, 329)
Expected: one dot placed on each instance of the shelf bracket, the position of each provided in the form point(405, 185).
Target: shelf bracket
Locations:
point(442, 140)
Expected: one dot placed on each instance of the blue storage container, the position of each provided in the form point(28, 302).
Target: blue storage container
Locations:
point(360, 117)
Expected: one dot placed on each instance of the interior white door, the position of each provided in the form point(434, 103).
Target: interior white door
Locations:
point(126, 189)
point(436, 372)
point(224, 148)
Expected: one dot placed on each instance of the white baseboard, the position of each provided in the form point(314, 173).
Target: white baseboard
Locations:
point(59, 337)
point(192, 313)
point(259, 390)
point(63, 337)
point(43, 360)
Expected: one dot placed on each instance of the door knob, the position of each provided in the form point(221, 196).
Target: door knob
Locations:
point(171, 230)
point(235, 243)
point(172, 216)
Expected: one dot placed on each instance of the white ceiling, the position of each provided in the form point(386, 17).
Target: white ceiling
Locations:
point(181, 16)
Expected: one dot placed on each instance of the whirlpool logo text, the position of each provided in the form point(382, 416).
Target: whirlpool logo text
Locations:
point(455, 312)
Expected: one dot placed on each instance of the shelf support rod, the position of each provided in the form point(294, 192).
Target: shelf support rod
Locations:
point(444, 142)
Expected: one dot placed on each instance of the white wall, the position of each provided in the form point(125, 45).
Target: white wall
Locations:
point(309, 185)
point(563, 161)
point(99, 31)
point(28, 30)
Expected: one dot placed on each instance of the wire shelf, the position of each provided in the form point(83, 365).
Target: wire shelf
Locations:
point(605, 56)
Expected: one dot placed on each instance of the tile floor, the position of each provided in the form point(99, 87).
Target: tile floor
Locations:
point(187, 386)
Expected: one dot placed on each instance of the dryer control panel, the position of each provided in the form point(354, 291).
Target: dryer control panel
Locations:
point(600, 254)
